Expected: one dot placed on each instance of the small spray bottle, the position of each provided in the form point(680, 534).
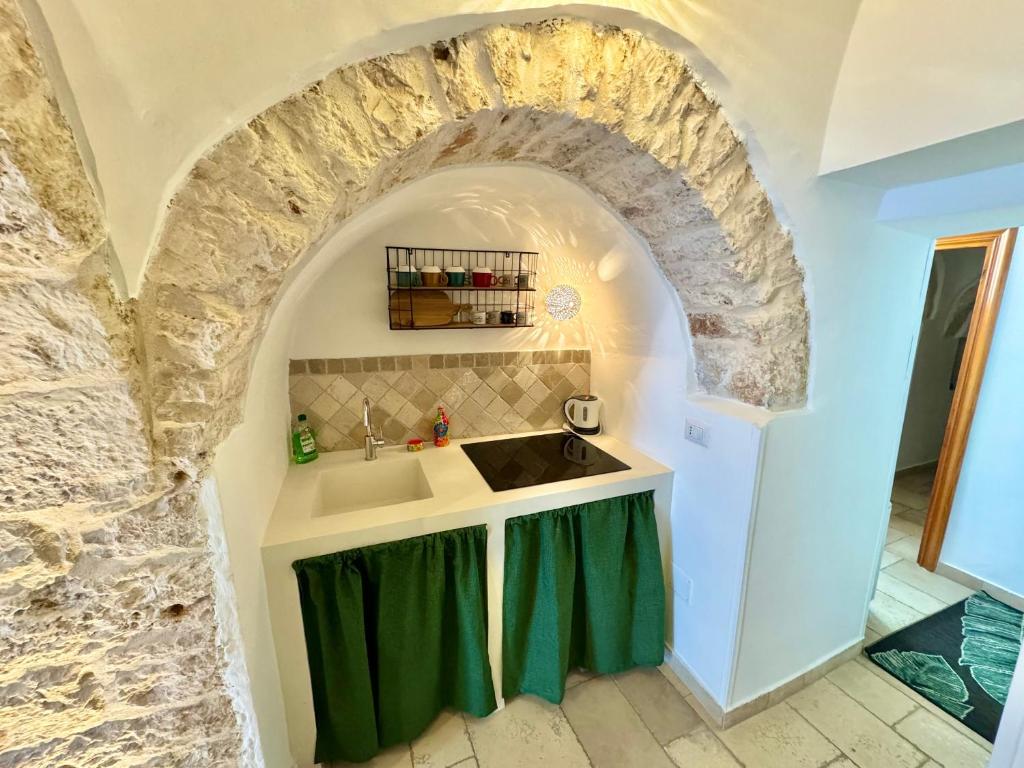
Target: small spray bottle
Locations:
point(441, 428)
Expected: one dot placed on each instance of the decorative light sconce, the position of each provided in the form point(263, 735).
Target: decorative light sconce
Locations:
point(563, 302)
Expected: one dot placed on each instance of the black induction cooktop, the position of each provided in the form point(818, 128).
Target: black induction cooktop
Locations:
point(519, 462)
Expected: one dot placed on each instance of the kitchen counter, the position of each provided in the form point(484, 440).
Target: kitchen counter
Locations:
point(457, 487)
point(303, 525)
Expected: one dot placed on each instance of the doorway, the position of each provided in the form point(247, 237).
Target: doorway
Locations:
point(933, 633)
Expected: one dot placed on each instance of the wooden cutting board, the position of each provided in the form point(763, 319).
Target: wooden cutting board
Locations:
point(421, 309)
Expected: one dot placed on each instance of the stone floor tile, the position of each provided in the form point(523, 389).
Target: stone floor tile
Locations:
point(470, 763)
point(945, 590)
point(909, 497)
point(888, 558)
point(663, 710)
point(528, 732)
point(778, 738)
point(892, 536)
point(701, 749)
point(674, 680)
point(908, 595)
point(887, 614)
point(916, 516)
point(577, 676)
point(901, 523)
point(871, 692)
point(395, 757)
point(870, 636)
point(612, 734)
point(941, 742)
point(858, 733)
point(445, 743)
point(906, 548)
point(702, 713)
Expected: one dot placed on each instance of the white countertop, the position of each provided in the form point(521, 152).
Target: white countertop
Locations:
point(457, 488)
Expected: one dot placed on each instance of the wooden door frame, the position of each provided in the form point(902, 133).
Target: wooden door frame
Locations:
point(998, 245)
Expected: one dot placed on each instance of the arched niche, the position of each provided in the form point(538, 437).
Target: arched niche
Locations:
point(620, 114)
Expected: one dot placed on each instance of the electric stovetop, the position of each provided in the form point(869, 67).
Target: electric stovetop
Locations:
point(519, 462)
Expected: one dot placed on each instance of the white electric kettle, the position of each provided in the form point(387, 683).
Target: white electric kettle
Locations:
point(583, 412)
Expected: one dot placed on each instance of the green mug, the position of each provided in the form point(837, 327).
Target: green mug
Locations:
point(456, 276)
point(407, 276)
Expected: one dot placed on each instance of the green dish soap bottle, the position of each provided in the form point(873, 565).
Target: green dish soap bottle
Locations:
point(304, 442)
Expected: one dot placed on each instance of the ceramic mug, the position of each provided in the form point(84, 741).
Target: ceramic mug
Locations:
point(505, 280)
point(432, 276)
point(407, 275)
point(456, 276)
point(483, 277)
point(523, 280)
point(508, 318)
point(493, 317)
point(479, 317)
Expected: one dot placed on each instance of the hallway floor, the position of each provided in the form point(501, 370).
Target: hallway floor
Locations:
point(906, 592)
point(857, 715)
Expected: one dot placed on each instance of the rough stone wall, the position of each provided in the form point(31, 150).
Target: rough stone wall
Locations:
point(108, 655)
point(622, 115)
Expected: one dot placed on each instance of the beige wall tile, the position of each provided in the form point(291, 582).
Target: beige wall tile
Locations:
point(480, 397)
point(853, 729)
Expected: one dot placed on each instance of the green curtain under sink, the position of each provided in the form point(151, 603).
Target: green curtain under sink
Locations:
point(394, 634)
point(583, 588)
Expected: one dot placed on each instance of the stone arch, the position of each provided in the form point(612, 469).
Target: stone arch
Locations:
point(621, 114)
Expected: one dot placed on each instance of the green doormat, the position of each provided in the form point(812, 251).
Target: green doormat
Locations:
point(962, 659)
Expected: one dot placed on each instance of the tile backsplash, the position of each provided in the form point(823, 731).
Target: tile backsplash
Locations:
point(484, 393)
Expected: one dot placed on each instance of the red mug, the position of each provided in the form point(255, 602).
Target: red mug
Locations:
point(483, 279)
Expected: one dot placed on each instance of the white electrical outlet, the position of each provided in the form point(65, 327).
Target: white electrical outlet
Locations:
point(697, 433)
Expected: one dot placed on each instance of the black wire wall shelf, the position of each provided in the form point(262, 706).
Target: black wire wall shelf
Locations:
point(453, 288)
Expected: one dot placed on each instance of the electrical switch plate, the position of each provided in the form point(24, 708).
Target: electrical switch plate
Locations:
point(697, 433)
point(682, 585)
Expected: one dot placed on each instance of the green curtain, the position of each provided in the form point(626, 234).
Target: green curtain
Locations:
point(394, 634)
point(583, 588)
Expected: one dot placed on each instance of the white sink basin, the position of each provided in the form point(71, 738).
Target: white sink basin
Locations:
point(368, 484)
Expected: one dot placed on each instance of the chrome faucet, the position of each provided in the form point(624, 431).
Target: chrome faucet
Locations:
point(371, 442)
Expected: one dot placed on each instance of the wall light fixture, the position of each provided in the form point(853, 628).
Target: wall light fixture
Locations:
point(563, 302)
